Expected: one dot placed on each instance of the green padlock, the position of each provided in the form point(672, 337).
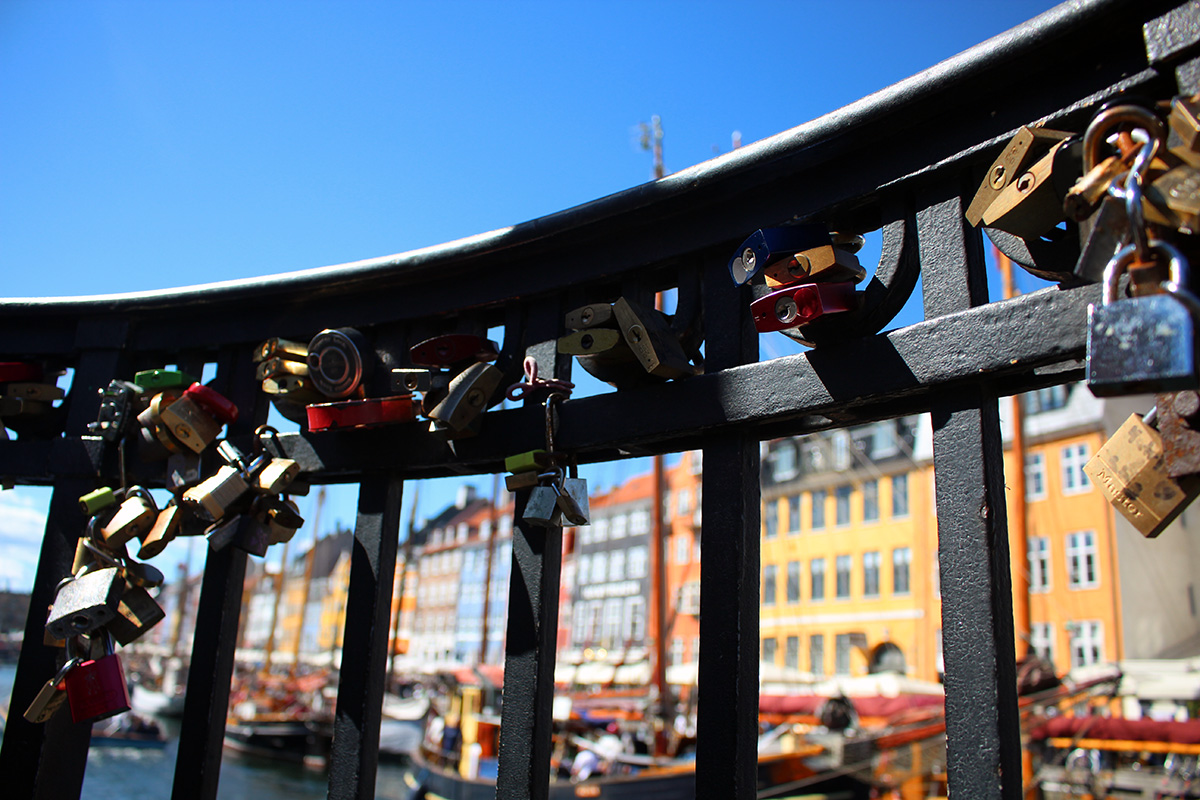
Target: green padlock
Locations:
point(156, 380)
point(527, 462)
point(96, 501)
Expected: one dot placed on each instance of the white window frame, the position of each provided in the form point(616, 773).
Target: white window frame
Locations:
point(1041, 640)
point(1074, 479)
point(1082, 552)
point(1039, 564)
point(1087, 642)
point(1035, 476)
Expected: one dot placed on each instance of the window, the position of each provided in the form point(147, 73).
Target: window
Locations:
point(793, 504)
point(639, 522)
point(635, 619)
point(818, 509)
point(1087, 643)
point(1039, 564)
point(636, 566)
point(1035, 476)
point(843, 576)
point(1081, 560)
point(579, 624)
point(583, 575)
point(684, 499)
point(791, 653)
point(769, 646)
point(842, 507)
point(689, 598)
point(901, 568)
point(676, 655)
point(841, 654)
point(1041, 640)
point(783, 461)
point(683, 548)
point(599, 532)
point(870, 561)
point(771, 518)
point(599, 567)
point(1047, 399)
point(793, 582)
point(616, 565)
point(769, 584)
point(1075, 480)
point(618, 526)
point(816, 654)
point(870, 492)
point(900, 495)
point(816, 570)
point(841, 450)
point(612, 622)
point(697, 462)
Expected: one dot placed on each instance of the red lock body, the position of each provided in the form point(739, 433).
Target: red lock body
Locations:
point(96, 689)
point(212, 401)
point(800, 304)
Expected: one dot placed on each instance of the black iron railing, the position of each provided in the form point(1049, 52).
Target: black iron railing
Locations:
point(905, 160)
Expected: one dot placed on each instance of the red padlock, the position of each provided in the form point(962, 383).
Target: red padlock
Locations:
point(212, 401)
point(362, 413)
point(452, 348)
point(96, 689)
point(800, 304)
point(19, 371)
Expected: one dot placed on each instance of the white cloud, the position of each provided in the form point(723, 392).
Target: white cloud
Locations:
point(22, 525)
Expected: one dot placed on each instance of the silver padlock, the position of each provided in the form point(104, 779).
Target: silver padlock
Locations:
point(543, 510)
point(212, 498)
point(573, 501)
point(468, 396)
point(85, 603)
point(1148, 343)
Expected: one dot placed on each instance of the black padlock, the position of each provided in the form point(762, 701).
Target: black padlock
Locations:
point(1143, 344)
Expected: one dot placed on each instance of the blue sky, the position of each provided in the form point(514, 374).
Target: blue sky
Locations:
point(146, 145)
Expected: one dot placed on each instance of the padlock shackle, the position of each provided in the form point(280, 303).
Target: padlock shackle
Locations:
point(1177, 266)
point(1098, 129)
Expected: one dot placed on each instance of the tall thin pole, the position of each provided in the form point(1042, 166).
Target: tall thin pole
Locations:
point(279, 579)
point(308, 571)
point(658, 607)
point(409, 546)
point(494, 519)
point(1022, 615)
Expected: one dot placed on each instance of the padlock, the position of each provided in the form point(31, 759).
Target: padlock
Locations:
point(1178, 424)
point(542, 509)
point(1026, 146)
point(452, 350)
point(184, 470)
point(573, 501)
point(137, 573)
point(157, 380)
point(251, 536)
point(281, 348)
point(216, 404)
point(529, 461)
point(367, 413)
point(52, 695)
point(521, 480)
point(1104, 233)
point(648, 334)
point(768, 245)
point(1143, 344)
point(800, 304)
point(190, 423)
point(133, 520)
point(37, 392)
point(222, 532)
point(20, 371)
point(1085, 196)
point(1183, 130)
point(469, 394)
point(826, 263)
point(274, 367)
point(165, 529)
point(595, 315)
point(276, 476)
point(1175, 196)
point(412, 380)
point(85, 602)
point(1130, 471)
point(213, 497)
point(96, 689)
point(604, 354)
point(1033, 203)
point(339, 361)
point(137, 613)
point(97, 500)
point(117, 408)
point(280, 516)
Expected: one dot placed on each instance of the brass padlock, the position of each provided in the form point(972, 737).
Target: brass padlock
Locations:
point(281, 348)
point(1175, 196)
point(276, 476)
point(137, 613)
point(1130, 471)
point(280, 516)
point(85, 602)
point(189, 423)
point(213, 497)
point(133, 520)
point(1183, 130)
point(1033, 203)
point(824, 263)
point(1021, 151)
point(165, 528)
point(38, 392)
point(648, 333)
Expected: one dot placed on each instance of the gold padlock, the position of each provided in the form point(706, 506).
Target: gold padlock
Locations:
point(276, 476)
point(190, 424)
point(133, 520)
point(824, 263)
point(1132, 475)
point(1183, 130)
point(1021, 151)
point(166, 526)
point(212, 498)
point(648, 333)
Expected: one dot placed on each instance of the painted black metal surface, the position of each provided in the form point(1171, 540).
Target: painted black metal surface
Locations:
point(906, 159)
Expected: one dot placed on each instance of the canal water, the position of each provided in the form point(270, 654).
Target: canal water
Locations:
point(117, 773)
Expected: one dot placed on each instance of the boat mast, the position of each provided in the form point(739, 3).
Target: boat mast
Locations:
point(283, 560)
point(409, 546)
point(494, 519)
point(658, 609)
point(308, 571)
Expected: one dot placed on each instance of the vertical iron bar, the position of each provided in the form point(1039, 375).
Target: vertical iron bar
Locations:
point(49, 760)
point(727, 711)
point(982, 725)
point(529, 650)
point(210, 673)
point(355, 753)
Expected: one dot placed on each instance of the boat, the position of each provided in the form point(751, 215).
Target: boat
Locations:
point(128, 730)
point(282, 738)
point(402, 725)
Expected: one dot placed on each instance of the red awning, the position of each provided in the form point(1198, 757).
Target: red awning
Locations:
point(1136, 730)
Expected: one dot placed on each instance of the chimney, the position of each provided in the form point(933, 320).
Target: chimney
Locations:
point(466, 493)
